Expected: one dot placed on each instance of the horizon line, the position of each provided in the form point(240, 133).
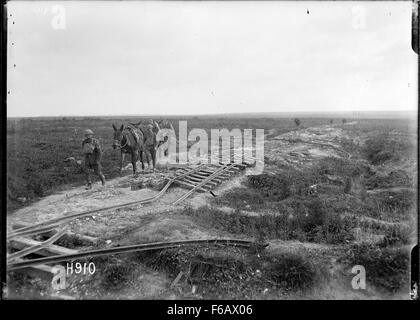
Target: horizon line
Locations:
point(330, 113)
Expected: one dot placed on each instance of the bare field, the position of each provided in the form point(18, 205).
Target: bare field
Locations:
point(332, 195)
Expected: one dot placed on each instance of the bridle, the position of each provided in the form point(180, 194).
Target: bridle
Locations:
point(125, 144)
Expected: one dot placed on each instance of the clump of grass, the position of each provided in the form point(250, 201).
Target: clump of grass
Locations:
point(309, 214)
point(402, 200)
point(272, 186)
point(393, 179)
point(335, 229)
point(398, 234)
point(291, 271)
point(383, 147)
point(115, 272)
point(387, 268)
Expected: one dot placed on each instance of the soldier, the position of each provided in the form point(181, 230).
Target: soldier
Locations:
point(93, 154)
point(149, 143)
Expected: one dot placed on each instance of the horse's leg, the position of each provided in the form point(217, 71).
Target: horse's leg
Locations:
point(134, 161)
point(154, 158)
point(141, 160)
point(121, 162)
point(147, 156)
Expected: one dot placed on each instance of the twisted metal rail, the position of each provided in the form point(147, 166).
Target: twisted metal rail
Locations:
point(47, 225)
point(200, 183)
point(135, 248)
point(35, 248)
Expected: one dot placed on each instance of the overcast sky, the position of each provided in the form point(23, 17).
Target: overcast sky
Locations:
point(118, 58)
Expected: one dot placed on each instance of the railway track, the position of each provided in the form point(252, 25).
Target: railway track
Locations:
point(203, 177)
point(135, 248)
point(200, 178)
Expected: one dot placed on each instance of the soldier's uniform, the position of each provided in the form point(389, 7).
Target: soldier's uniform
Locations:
point(149, 141)
point(93, 155)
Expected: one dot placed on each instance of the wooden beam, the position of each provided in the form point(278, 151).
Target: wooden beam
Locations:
point(41, 271)
point(203, 177)
point(22, 243)
point(202, 174)
point(67, 237)
point(195, 180)
point(190, 186)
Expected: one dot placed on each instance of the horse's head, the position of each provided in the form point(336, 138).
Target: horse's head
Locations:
point(118, 136)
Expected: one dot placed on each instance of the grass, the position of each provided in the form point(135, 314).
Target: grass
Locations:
point(396, 178)
point(233, 272)
point(280, 204)
point(384, 147)
point(115, 273)
point(387, 268)
point(303, 221)
point(292, 271)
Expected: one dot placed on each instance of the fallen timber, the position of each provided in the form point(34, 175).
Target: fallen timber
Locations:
point(69, 235)
point(32, 249)
point(52, 249)
point(136, 248)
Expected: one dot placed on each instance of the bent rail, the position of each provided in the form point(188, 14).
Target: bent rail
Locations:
point(40, 226)
point(136, 248)
point(35, 248)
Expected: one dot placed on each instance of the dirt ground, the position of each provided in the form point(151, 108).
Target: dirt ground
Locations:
point(160, 221)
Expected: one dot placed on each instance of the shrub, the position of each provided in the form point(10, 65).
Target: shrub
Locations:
point(271, 186)
point(387, 268)
point(335, 230)
point(315, 217)
point(383, 147)
point(398, 234)
point(401, 201)
point(393, 179)
point(292, 271)
point(116, 273)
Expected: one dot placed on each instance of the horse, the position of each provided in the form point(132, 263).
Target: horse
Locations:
point(129, 140)
point(149, 129)
point(148, 122)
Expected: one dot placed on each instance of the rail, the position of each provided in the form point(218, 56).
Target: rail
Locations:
point(39, 227)
point(135, 248)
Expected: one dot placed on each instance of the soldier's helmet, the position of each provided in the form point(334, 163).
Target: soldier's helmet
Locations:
point(88, 131)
